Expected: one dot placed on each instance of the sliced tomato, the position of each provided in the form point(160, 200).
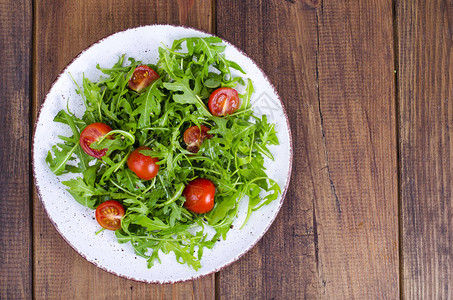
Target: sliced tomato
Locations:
point(142, 77)
point(223, 101)
point(109, 214)
point(91, 134)
point(194, 137)
point(199, 194)
point(143, 166)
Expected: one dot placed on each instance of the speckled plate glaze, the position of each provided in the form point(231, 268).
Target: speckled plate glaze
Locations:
point(76, 223)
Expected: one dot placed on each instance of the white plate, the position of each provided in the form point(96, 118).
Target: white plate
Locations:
point(76, 223)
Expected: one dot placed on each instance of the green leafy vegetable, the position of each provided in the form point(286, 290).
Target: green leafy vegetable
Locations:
point(233, 159)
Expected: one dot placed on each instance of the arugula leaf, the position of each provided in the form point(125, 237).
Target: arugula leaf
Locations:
point(84, 193)
point(63, 153)
point(57, 164)
point(183, 256)
point(247, 96)
point(149, 224)
point(188, 95)
point(148, 104)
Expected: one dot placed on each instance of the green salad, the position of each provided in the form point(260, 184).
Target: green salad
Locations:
point(164, 151)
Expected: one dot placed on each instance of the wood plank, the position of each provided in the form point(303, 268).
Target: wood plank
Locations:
point(358, 242)
point(337, 234)
point(15, 239)
point(425, 86)
point(63, 29)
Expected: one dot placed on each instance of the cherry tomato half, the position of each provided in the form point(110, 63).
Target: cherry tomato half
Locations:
point(223, 101)
point(109, 214)
point(194, 137)
point(143, 166)
point(142, 77)
point(199, 194)
point(91, 134)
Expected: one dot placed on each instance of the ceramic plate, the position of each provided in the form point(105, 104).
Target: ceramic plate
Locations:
point(76, 223)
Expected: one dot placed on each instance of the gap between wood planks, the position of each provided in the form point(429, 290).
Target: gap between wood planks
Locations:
point(315, 224)
point(398, 154)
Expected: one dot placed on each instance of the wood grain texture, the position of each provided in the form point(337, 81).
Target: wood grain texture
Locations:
point(425, 85)
point(357, 224)
point(337, 234)
point(62, 30)
point(15, 237)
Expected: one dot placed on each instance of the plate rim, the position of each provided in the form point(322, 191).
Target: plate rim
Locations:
point(196, 276)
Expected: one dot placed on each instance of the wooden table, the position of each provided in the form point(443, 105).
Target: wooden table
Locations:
point(368, 86)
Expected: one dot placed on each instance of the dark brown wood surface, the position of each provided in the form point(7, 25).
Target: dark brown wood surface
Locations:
point(425, 87)
point(368, 88)
point(15, 215)
point(358, 235)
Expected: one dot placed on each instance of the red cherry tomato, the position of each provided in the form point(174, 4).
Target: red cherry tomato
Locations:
point(143, 166)
point(142, 77)
point(199, 194)
point(109, 214)
point(223, 101)
point(194, 137)
point(91, 134)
